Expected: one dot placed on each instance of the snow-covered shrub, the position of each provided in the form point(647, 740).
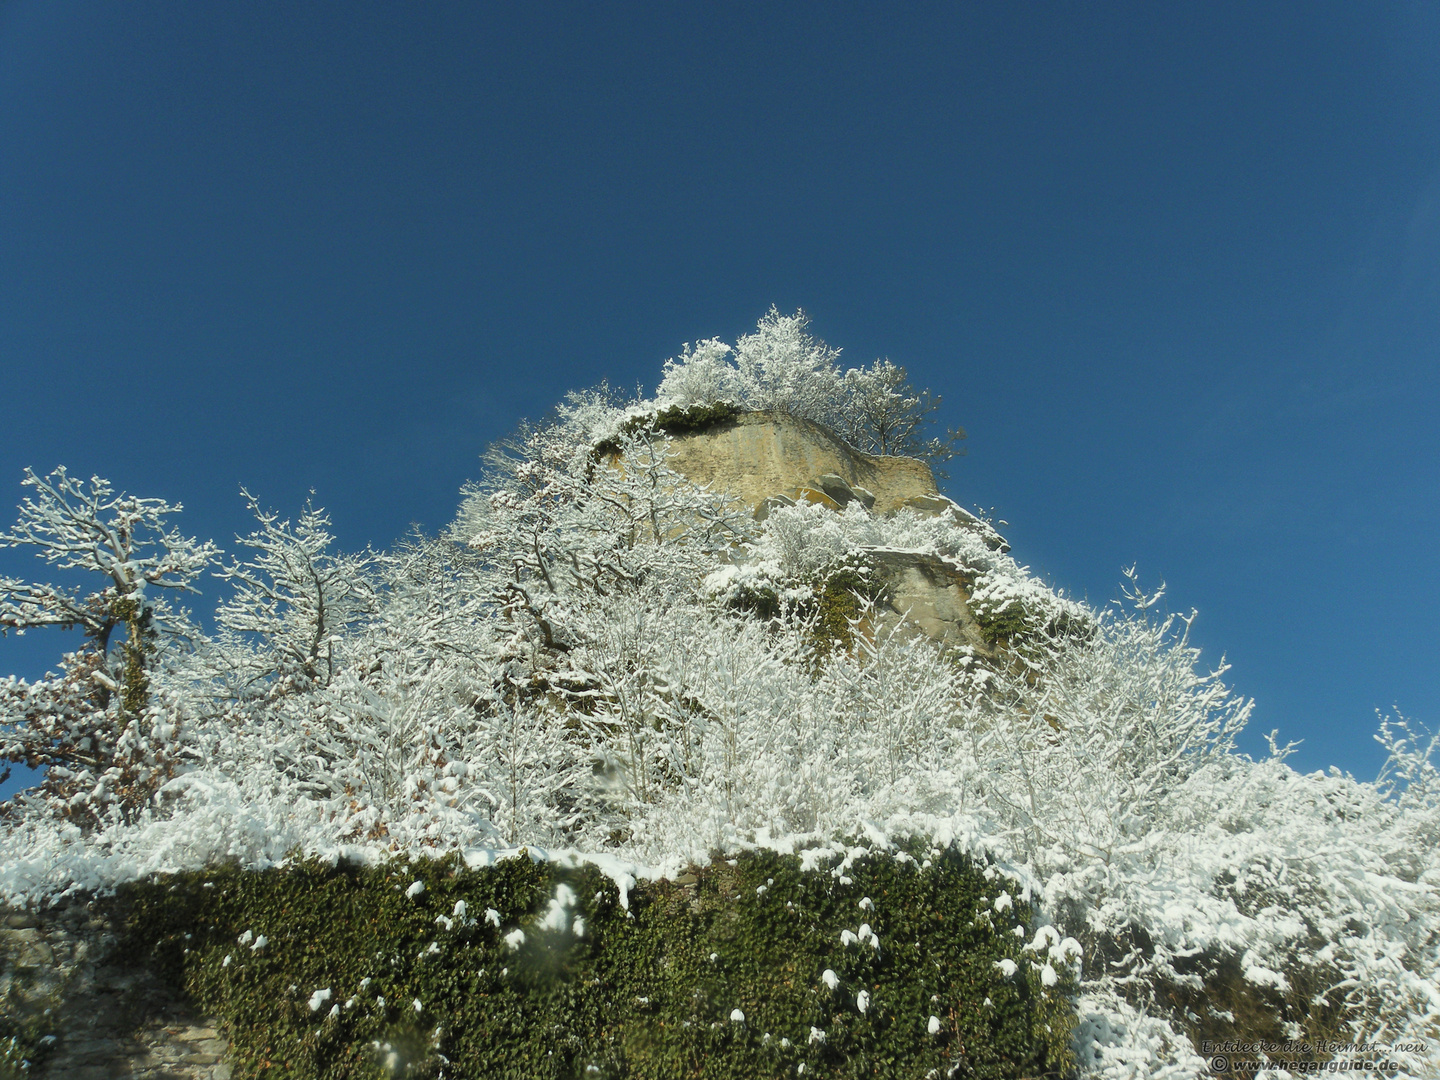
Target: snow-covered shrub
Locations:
point(701, 374)
point(1236, 897)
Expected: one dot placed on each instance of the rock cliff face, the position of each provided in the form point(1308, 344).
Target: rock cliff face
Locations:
point(931, 595)
point(759, 454)
point(768, 459)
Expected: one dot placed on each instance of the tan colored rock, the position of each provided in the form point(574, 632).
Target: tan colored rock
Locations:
point(769, 505)
point(813, 495)
point(759, 454)
point(772, 459)
point(931, 595)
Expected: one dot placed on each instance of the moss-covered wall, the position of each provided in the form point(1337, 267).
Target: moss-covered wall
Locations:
point(750, 967)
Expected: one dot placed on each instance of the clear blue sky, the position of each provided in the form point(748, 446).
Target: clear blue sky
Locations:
point(1176, 267)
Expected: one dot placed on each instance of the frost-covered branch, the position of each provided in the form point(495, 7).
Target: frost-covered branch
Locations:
point(92, 725)
point(295, 596)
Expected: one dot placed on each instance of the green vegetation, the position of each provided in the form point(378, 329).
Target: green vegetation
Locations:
point(722, 974)
point(1226, 1006)
point(676, 420)
point(1014, 625)
point(762, 602)
point(1313, 1005)
point(680, 419)
point(1000, 626)
point(138, 651)
point(832, 599)
point(16, 1057)
point(842, 592)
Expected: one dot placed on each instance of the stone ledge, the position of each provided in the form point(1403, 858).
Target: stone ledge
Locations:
point(930, 594)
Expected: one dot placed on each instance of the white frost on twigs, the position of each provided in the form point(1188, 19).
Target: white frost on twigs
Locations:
point(603, 663)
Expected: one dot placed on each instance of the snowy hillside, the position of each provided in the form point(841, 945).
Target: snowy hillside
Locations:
point(604, 658)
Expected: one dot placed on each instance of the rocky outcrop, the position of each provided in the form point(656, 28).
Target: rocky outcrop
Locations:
point(772, 459)
point(110, 1021)
point(930, 594)
point(755, 455)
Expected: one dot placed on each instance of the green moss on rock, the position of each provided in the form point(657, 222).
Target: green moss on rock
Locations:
point(676, 420)
point(683, 419)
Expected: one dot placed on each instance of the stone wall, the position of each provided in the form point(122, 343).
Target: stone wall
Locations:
point(108, 1021)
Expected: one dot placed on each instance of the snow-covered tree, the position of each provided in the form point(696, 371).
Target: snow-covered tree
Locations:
point(884, 414)
point(701, 374)
point(294, 599)
point(781, 366)
point(560, 524)
point(91, 724)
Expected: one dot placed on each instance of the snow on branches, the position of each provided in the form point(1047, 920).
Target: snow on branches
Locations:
point(88, 527)
point(582, 663)
point(92, 725)
point(782, 367)
point(295, 596)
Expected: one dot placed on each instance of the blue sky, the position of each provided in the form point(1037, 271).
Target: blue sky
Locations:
point(1175, 267)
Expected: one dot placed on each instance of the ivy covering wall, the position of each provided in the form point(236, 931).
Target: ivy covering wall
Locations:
point(907, 965)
